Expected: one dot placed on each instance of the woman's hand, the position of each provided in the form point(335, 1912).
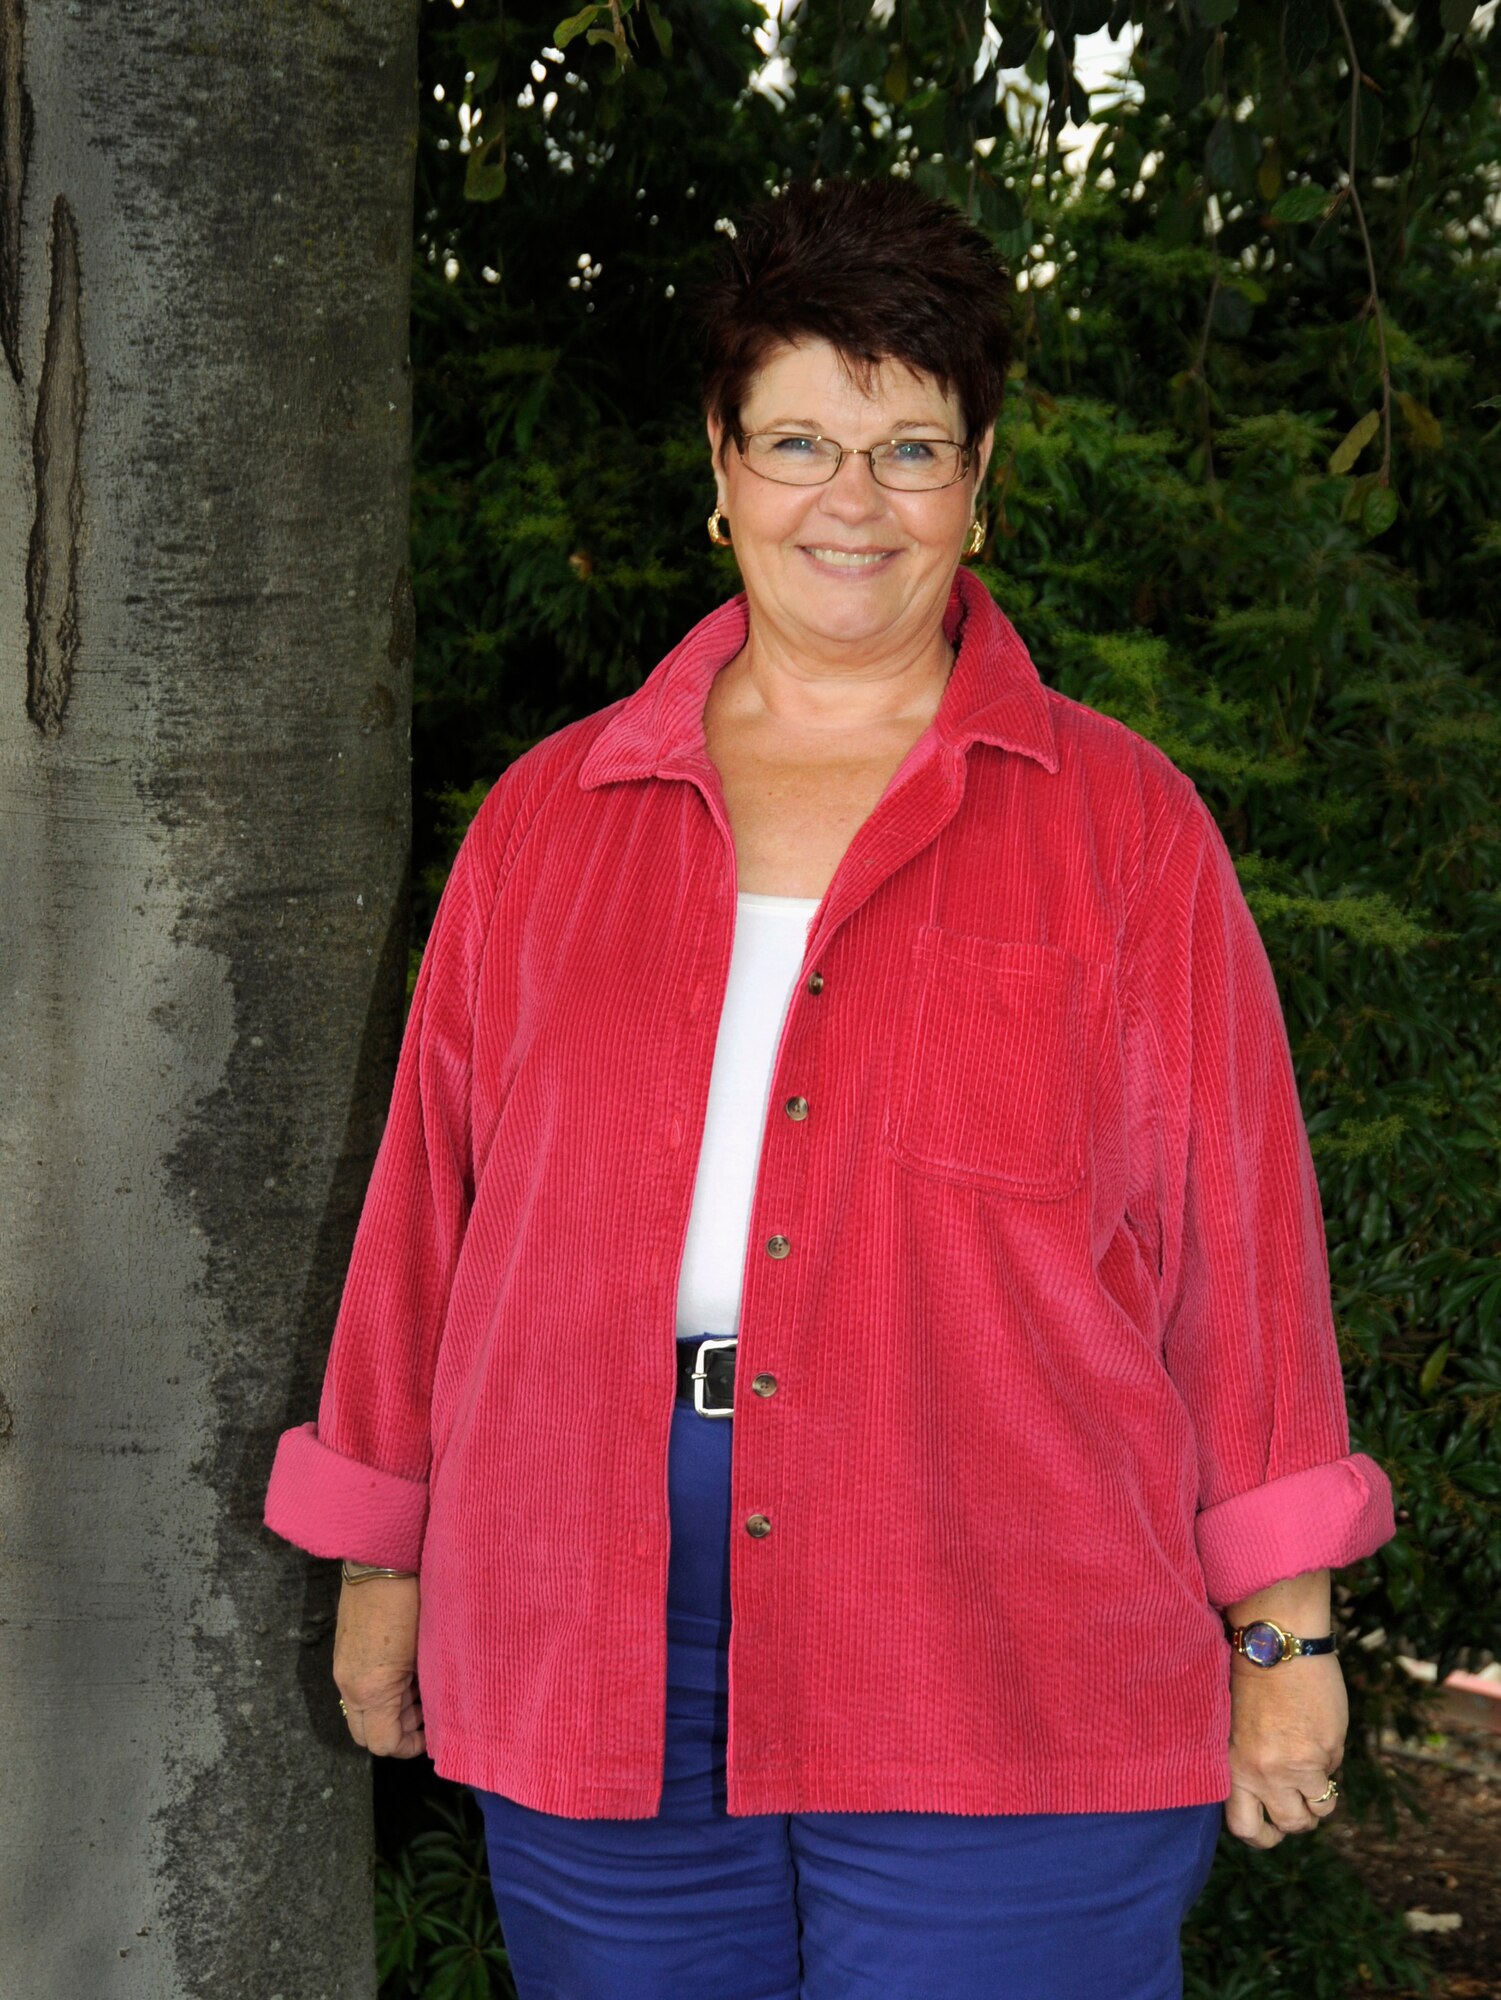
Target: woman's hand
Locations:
point(1287, 1735)
point(375, 1665)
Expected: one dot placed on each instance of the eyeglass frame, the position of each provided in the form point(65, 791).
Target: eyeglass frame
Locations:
point(966, 459)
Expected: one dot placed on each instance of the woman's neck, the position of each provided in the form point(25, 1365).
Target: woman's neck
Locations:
point(770, 682)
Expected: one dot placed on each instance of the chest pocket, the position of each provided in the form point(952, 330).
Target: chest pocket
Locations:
point(993, 1063)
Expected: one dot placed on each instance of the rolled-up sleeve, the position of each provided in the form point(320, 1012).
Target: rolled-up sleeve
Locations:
point(355, 1483)
point(1223, 1186)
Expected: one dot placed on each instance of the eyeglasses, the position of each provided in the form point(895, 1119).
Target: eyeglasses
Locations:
point(909, 465)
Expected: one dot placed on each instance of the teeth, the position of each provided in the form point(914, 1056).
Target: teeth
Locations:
point(849, 561)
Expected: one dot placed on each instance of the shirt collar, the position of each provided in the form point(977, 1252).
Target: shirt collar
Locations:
point(994, 694)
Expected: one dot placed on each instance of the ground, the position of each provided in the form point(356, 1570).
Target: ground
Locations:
point(1451, 1865)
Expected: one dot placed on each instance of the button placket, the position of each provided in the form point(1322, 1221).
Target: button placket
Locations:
point(765, 1385)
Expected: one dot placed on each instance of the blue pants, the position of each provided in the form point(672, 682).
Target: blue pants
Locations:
point(694, 1905)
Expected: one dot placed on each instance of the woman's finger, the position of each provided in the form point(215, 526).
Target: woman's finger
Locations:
point(1287, 1807)
point(384, 1730)
point(1245, 1819)
point(1320, 1807)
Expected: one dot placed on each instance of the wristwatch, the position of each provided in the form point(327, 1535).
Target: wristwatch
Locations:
point(1267, 1645)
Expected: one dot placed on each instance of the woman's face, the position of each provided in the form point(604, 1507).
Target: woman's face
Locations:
point(850, 563)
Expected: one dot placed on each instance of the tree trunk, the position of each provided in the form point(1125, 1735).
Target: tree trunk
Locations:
point(206, 630)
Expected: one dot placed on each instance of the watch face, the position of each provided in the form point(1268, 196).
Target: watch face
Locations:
point(1262, 1643)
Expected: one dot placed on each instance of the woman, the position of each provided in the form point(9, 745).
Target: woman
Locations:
point(845, 995)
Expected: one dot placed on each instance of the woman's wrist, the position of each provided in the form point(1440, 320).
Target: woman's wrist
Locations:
point(1300, 1604)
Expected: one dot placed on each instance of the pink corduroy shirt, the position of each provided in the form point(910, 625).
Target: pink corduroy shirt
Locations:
point(1057, 1373)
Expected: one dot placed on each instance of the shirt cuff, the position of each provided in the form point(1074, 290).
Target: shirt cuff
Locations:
point(335, 1506)
point(1321, 1518)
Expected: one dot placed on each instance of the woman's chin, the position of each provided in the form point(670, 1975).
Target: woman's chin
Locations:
point(845, 616)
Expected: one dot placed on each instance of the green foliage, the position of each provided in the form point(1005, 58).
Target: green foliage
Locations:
point(1239, 499)
point(1283, 1921)
point(436, 1932)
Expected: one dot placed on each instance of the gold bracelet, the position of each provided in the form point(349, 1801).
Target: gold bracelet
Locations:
point(360, 1573)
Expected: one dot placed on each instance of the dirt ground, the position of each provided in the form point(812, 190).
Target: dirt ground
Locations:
point(1452, 1865)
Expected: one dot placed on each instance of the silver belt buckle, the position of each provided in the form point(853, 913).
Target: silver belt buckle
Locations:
point(700, 1379)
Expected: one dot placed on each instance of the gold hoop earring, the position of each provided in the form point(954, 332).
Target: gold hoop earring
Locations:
point(717, 534)
point(975, 540)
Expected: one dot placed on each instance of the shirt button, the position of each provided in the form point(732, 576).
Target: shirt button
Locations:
point(815, 983)
point(758, 1525)
point(777, 1246)
point(796, 1107)
point(764, 1385)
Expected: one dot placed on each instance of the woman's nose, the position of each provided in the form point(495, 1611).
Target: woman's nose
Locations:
point(854, 487)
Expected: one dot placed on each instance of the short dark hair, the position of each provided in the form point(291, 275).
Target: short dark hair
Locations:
point(877, 268)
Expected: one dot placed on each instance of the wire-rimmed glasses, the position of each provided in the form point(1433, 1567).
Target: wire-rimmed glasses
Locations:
point(907, 465)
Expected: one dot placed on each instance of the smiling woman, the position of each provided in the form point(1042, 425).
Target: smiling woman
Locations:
point(891, 1030)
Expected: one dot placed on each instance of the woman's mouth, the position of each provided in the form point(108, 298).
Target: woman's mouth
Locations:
point(847, 559)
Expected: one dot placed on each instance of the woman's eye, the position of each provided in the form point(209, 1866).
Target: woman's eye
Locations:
point(794, 447)
point(912, 451)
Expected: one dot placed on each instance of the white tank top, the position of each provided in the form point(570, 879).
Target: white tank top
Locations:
point(771, 934)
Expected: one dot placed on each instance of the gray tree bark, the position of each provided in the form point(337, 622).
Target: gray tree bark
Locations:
point(205, 664)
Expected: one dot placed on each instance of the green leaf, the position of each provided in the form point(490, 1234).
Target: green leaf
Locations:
point(1000, 207)
point(1433, 1367)
point(1215, 13)
point(1352, 507)
point(1354, 442)
point(565, 31)
point(660, 27)
point(1380, 510)
point(1456, 86)
point(1456, 15)
point(1301, 204)
point(479, 42)
point(1231, 154)
point(1017, 45)
point(1423, 426)
point(1305, 30)
point(485, 170)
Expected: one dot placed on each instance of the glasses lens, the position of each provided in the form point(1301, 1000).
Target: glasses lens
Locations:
point(916, 464)
point(795, 459)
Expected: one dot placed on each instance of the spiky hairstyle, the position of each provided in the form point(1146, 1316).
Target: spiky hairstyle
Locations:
point(877, 268)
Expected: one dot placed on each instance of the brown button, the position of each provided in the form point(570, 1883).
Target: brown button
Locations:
point(777, 1246)
point(758, 1525)
point(764, 1385)
point(815, 983)
point(796, 1107)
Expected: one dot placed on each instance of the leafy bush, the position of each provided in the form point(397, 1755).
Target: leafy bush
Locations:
point(436, 1932)
point(1245, 496)
point(1294, 1920)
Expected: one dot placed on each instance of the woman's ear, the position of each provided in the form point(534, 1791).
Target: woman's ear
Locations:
point(982, 463)
point(716, 439)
